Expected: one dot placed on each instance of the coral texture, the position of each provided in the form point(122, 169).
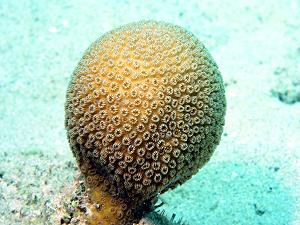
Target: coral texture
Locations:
point(145, 110)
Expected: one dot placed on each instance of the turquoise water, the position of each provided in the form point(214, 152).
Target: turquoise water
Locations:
point(253, 176)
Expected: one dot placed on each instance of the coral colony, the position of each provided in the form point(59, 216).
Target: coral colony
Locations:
point(145, 110)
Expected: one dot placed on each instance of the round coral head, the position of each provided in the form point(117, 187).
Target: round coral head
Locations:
point(145, 107)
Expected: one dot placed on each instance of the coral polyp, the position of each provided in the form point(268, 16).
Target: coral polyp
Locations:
point(145, 110)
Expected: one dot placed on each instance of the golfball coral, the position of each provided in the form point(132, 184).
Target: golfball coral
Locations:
point(145, 108)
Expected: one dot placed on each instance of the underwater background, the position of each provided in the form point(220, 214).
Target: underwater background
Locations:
point(254, 175)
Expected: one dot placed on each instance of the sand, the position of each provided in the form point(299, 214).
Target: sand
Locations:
point(254, 175)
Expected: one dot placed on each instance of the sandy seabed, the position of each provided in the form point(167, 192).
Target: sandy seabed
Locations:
point(254, 175)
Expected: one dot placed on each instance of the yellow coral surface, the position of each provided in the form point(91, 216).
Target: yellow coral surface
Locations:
point(145, 108)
